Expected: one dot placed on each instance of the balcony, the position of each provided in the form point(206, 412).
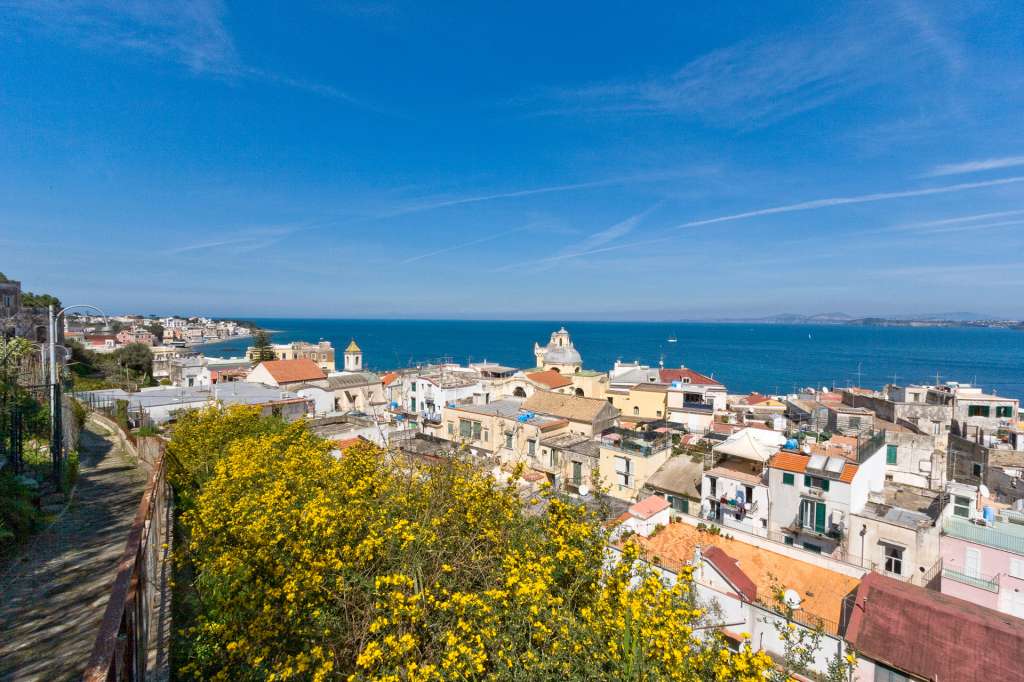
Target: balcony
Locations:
point(988, 584)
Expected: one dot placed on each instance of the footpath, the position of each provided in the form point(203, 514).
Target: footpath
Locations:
point(52, 594)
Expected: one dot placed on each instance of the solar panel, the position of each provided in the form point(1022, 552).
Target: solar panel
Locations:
point(835, 465)
point(817, 462)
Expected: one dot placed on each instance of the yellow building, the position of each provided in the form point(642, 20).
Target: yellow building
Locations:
point(647, 401)
point(629, 458)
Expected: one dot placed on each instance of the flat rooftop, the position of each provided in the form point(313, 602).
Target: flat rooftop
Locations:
point(905, 506)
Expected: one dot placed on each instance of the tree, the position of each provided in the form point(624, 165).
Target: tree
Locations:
point(156, 329)
point(137, 357)
point(360, 567)
point(261, 347)
point(30, 300)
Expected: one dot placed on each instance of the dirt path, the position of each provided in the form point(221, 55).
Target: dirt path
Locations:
point(53, 594)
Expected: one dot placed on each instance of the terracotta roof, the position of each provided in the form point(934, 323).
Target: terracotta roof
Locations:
point(346, 443)
point(568, 407)
point(290, 371)
point(933, 635)
point(549, 378)
point(670, 375)
point(822, 591)
point(389, 377)
point(730, 569)
point(648, 507)
point(755, 399)
point(796, 462)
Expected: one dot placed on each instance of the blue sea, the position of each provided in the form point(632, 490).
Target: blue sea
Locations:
point(745, 357)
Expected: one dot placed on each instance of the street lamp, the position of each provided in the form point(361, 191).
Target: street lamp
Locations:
point(56, 447)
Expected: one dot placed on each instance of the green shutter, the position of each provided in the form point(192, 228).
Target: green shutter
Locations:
point(819, 518)
point(890, 454)
point(824, 484)
point(788, 479)
point(807, 481)
point(686, 506)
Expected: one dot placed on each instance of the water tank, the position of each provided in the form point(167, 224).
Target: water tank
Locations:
point(989, 514)
point(791, 598)
point(792, 444)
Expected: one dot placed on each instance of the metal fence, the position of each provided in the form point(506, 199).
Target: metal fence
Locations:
point(128, 637)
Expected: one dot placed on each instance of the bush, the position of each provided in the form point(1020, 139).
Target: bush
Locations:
point(19, 516)
point(147, 430)
point(358, 568)
point(70, 474)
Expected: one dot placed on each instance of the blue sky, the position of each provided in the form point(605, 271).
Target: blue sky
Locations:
point(564, 160)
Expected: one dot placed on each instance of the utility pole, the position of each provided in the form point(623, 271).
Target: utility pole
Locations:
point(55, 428)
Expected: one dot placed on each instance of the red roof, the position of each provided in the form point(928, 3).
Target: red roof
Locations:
point(933, 635)
point(647, 508)
point(796, 462)
point(289, 371)
point(388, 378)
point(682, 374)
point(755, 399)
point(731, 571)
point(549, 378)
point(346, 443)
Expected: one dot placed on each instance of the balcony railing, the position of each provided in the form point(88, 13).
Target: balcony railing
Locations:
point(867, 446)
point(989, 584)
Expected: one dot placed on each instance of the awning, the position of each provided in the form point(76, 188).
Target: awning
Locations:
point(755, 444)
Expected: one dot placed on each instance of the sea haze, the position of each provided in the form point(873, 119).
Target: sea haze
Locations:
point(745, 357)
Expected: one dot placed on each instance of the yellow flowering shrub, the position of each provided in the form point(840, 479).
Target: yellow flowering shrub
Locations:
point(311, 567)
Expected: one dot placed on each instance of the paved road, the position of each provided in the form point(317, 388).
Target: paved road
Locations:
point(52, 596)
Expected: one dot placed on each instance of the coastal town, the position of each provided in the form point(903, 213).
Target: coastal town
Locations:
point(907, 497)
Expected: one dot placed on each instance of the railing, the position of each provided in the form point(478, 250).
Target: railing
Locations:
point(869, 446)
point(989, 584)
point(984, 535)
point(126, 639)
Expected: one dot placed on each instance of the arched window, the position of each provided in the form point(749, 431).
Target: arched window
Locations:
point(579, 392)
point(577, 370)
point(519, 392)
point(636, 411)
point(556, 370)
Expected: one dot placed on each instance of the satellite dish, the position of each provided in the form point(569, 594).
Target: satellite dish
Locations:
point(584, 490)
point(983, 489)
point(791, 598)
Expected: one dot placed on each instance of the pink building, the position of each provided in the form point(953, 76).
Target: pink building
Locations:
point(984, 562)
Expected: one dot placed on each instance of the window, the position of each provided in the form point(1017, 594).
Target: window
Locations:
point(788, 479)
point(976, 469)
point(977, 410)
point(1017, 568)
point(470, 429)
point(811, 547)
point(658, 413)
point(712, 484)
point(623, 471)
point(531, 447)
point(815, 482)
point(812, 516)
point(886, 674)
point(962, 506)
point(451, 429)
point(1004, 411)
point(890, 453)
point(788, 539)
point(577, 472)
point(894, 560)
point(412, 404)
point(854, 422)
point(936, 428)
point(486, 436)
point(508, 440)
point(412, 387)
point(679, 504)
point(749, 492)
point(553, 458)
point(636, 411)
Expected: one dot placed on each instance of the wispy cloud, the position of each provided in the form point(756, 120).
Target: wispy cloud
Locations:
point(976, 166)
point(462, 245)
point(861, 199)
point(761, 80)
point(460, 201)
point(252, 240)
point(959, 219)
point(190, 33)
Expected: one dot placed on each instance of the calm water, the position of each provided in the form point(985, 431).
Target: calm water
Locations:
point(770, 358)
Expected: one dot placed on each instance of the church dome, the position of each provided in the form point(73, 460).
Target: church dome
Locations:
point(556, 355)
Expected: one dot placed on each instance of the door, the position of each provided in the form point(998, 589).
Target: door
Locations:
point(819, 518)
point(972, 563)
point(577, 472)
